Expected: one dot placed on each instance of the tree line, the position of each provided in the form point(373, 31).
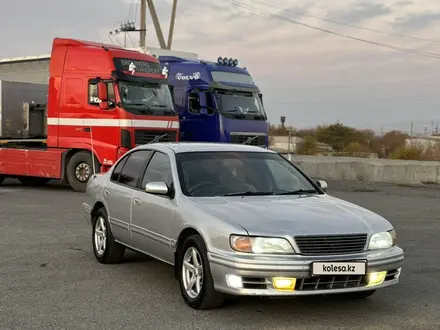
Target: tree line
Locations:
point(351, 141)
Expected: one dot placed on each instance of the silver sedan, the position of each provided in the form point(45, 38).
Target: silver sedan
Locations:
point(238, 220)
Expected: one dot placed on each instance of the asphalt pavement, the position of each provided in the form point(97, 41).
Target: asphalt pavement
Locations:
point(49, 278)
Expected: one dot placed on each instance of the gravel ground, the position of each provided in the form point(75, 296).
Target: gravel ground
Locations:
point(50, 279)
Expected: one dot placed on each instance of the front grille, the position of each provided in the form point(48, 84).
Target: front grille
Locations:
point(327, 282)
point(144, 136)
point(249, 139)
point(329, 245)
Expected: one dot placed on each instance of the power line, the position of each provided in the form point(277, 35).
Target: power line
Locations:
point(347, 24)
point(265, 13)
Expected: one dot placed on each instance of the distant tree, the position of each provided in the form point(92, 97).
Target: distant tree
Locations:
point(389, 143)
point(338, 136)
point(309, 146)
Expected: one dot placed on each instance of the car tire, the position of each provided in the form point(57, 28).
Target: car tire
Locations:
point(2, 178)
point(358, 295)
point(82, 160)
point(105, 248)
point(204, 295)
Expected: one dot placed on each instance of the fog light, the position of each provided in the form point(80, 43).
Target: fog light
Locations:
point(376, 278)
point(234, 281)
point(284, 283)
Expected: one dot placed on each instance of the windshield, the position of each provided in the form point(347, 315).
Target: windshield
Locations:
point(241, 103)
point(146, 98)
point(207, 174)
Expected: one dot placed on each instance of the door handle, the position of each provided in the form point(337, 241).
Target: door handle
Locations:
point(106, 193)
point(136, 201)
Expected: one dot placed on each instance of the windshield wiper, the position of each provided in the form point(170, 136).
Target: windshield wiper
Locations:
point(250, 193)
point(299, 192)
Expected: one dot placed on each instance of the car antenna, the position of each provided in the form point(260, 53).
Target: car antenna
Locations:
point(93, 151)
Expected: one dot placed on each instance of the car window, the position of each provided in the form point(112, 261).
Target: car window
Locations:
point(205, 174)
point(117, 170)
point(282, 176)
point(158, 170)
point(133, 167)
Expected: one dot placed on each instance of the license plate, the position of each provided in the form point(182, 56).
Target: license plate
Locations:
point(339, 268)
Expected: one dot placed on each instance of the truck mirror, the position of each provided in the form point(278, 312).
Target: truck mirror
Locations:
point(102, 91)
point(203, 108)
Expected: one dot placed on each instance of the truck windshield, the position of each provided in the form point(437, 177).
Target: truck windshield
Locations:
point(146, 98)
point(244, 104)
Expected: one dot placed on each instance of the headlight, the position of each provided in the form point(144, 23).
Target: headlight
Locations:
point(382, 240)
point(267, 245)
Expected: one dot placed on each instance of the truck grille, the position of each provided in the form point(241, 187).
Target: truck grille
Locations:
point(145, 136)
point(257, 140)
point(328, 245)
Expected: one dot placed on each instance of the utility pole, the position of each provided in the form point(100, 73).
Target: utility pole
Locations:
point(173, 19)
point(156, 24)
point(143, 27)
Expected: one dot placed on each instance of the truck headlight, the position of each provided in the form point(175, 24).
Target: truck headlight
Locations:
point(265, 245)
point(382, 240)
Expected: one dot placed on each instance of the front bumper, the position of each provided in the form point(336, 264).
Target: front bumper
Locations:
point(257, 273)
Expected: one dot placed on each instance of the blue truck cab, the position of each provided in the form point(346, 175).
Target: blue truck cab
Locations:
point(216, 101)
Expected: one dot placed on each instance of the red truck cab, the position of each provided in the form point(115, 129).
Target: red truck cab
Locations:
point(102, 100)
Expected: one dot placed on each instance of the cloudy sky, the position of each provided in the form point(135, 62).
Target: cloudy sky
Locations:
point(310, 76)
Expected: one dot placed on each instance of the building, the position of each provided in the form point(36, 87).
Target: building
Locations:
point(33, 69)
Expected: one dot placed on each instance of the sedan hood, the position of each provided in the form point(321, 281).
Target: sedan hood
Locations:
point(293, 215)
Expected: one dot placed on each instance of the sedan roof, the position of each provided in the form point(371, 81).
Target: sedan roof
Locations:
point(181, 147)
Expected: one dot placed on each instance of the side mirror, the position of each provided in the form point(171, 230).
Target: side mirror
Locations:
point(157, 188)
point(102, 91)
point(322, 184)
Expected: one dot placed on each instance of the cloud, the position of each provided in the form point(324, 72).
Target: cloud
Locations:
point(415, 22)
point(360, 12)
point(403, 3)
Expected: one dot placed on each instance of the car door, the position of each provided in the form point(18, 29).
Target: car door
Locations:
point(119, 191)
point(152, 215)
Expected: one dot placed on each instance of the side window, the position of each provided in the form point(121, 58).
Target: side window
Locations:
point(284, 179)
point(158, 170)
point(133, 167)
point(194, 102)
point(117, 170)
point(93, 94)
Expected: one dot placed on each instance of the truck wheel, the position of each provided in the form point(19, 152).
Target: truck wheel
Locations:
point(2, 178)
point(80, 169)
point(33, 181)
point(194, 274)
point(105, 248)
